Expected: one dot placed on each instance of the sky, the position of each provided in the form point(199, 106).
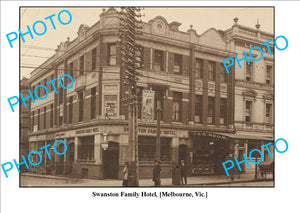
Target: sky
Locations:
point(201, 19)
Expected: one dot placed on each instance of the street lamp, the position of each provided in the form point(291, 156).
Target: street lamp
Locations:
point(104, 144)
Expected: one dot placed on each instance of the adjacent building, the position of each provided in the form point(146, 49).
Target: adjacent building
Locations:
point(203, 107)
point(254, 91)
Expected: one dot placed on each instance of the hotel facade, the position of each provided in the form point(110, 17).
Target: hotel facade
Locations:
point(203, 108)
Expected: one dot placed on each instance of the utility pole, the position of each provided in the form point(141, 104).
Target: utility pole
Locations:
point(129, 30)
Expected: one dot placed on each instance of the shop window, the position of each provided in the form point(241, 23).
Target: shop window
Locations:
point(177, 102)
point(223, 111)
point(147, 149)
point(93, 103)
point(199, 68)
point(80, 100)
point(269, 75)
point(249, 71)
point(81, 65)
point(248, 111)
point(211, 70)
point(165, 149)
point(94, 57)
point(112, 54)
point(198, 109)
point(70, 109)
point(86, 148)
point(177, 67)
point(253, 145)
point(268, 113)
point(158, 60)
point(211, 110)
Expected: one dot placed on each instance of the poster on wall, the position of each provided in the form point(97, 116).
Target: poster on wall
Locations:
point(148, 105)
point(110, 105)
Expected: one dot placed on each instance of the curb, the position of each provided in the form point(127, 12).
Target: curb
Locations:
point(218, 183)
point(51, 177)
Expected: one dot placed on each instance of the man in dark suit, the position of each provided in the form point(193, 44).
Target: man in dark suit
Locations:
point(183, 172)
point(156, 173)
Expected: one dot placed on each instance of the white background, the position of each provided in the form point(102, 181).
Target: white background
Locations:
point(284, 197)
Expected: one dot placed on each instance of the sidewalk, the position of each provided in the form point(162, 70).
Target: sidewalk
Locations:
point(27, 179)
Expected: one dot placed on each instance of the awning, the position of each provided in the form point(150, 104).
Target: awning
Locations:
point(220, 135)
point(254, 136)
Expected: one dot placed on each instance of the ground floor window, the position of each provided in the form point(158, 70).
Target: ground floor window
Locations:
point(254, 145)
point(86, 148)
point(147, 149)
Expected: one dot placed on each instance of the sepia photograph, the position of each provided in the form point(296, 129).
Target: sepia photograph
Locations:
point(146, 96)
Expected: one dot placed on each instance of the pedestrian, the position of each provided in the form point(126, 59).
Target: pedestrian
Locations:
point(156, 173)
point(125, 174)
point(183, 172)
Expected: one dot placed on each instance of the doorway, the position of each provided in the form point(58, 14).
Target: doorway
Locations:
point(111, 161)
point(182, 153)
point(70, 158)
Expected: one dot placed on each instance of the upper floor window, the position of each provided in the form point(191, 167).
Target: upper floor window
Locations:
point(80, 100)
point(211, 70)
point(158, 102)
point(93, 103)
point(139, 60)
point(32, 121)
point(38, 122)
point(198, 109)
point(269, 74)
point(81, 65)
point(51, 115)
point(71, 67)
point(211, 110)
point(158, 60)
point(248, 111)
point(249, 71)
point(61, 97)
point(45, 111)
point(50, 87)
point(177, 99)
point(112, 54)
point(223, 74)
point(223, 111)
point(199, 68)
point(268, 113)
point(94, 57)
point(177, 68)
point(70, 109)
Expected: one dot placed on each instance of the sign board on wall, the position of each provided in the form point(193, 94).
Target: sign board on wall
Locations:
point(110, 104)
point(148, 105)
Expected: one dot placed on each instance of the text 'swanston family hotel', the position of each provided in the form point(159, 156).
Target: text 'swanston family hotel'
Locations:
point(207, 115)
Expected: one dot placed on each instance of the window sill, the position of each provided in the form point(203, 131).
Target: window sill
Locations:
point(86, 161)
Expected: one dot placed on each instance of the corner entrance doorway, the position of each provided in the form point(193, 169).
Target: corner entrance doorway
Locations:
point(111, 161)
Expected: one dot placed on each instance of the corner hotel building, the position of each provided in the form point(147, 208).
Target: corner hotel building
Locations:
point(184, 70)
